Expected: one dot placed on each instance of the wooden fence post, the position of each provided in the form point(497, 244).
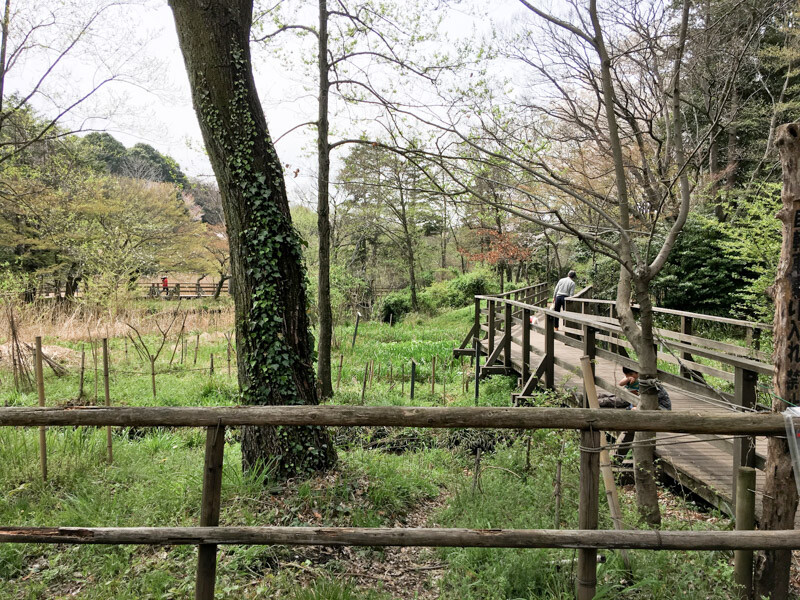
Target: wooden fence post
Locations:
point(549, 352)
point(491, 307)
point(745, 521)
point(590, 351)
point(610, 485)
point(588, 511)
point(526, 345)
point(744, 448)
point(40, 390)
point(507, 327)
point(686, 328)
point(211, 366)
point(209, 511)
point(477, 370)
point(413, 376)
point(196, 347)
point(109, 449)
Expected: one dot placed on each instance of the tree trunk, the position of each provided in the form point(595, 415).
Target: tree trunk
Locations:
point(272, 329)
point(220, 283)
point(780, 491)
point(323, 218)
point(644, 471)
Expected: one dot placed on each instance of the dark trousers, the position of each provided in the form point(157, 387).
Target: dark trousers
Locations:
point(558, 306)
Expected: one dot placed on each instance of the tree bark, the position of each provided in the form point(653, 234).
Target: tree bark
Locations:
point(780, 492)
point(323, 218)
point(272, 329)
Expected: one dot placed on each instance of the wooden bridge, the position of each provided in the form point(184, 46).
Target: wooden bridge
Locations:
point(514, 334)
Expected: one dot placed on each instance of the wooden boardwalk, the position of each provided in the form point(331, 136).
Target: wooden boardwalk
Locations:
point(702, 464)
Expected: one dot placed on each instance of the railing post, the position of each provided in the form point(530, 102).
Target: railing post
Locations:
point(589, 349)
point(686, 328)
point(526, 344)
point(745, 521)
point(549, 351)
point(507, 345)
point(588, 511)
point(209, 511)
point(478, 318)
point(491, 307)
point(753, 337)
point(477, 370)
point(744, 448)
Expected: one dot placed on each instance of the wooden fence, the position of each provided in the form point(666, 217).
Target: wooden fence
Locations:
point(587, 540)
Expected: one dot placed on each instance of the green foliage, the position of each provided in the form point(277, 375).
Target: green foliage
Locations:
point(454, 293)
point(702, 274)
point(753, 235)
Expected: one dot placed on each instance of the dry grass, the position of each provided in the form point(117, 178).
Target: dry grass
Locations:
point(76, 323)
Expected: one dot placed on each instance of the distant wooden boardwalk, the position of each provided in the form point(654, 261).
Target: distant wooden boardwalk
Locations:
point(702, 464)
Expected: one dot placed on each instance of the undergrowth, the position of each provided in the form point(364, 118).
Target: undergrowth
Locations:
point(384, 476)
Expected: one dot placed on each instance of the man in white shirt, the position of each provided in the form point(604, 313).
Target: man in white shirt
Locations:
point(564, 289)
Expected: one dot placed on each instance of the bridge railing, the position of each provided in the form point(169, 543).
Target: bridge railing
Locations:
point(587, 539)
point(505, 322)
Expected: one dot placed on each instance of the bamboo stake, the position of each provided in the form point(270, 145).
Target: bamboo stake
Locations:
point(196, 346)
point(153, 374)
point(413, 376)
point(477, 470)
point(211, 366)
point(83, 369)
point(433, 376)
point(339, 374)
point(605, 460)
point(109, 450)
point(557, 487)
point(40, 390)
point(364, 383)
point(229, 356)
point(96, 372)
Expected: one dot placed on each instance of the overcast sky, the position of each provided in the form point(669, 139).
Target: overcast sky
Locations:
point(158, 111)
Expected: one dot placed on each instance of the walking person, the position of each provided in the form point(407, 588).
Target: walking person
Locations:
point(564, 289)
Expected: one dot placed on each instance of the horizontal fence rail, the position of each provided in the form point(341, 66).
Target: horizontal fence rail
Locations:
point(398, 416)
point(431, 537)
point(215, 419)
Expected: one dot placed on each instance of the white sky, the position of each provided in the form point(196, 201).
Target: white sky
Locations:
point(159, 111)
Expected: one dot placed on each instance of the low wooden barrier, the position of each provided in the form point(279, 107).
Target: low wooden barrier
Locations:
point(216, 419)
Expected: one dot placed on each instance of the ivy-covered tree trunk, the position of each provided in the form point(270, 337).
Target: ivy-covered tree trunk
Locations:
point(272, 334)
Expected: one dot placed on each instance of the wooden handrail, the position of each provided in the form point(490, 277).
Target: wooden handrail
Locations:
point(683, 313)
point(397, 416)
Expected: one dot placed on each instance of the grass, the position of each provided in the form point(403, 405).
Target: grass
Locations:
point(384, 476)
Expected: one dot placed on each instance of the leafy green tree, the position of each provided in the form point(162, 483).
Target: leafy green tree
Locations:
point(703, 274)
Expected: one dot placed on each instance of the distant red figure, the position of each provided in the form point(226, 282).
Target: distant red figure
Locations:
point(165, 284)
